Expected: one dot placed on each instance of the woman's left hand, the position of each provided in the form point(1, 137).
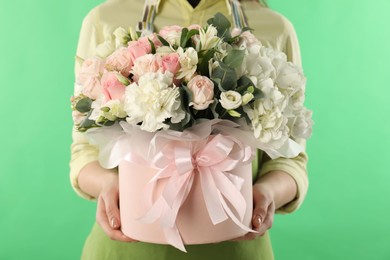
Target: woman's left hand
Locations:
point(263, 211)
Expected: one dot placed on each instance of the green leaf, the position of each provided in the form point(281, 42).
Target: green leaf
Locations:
point(84, 105)
point(222, 24)
point(234, 58)
point(203, 65)
point(152, 46)
point(244, 83)
point(213, 108)
point(258, 93)
point(225, 77)
point(163, 41)
point(183, 38)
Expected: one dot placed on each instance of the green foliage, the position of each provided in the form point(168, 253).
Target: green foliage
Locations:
point(225, 77)
point(222, 24)
point(234, 58)
point(84, 105)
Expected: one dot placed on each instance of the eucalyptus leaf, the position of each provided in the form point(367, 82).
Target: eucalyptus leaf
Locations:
point(203, 65)
point(234, 58)
point(222, 24)
point(225, 77)
point(84, 105)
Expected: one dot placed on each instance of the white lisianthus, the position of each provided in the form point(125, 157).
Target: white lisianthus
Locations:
point(188, 62)
point(152, 101)
point(114, 110)
point(122, 37)
point(246, 98)
point(230, 100)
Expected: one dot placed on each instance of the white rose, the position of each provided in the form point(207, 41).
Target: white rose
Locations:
point(152, 101)
point(230, 100)
point(188, 62)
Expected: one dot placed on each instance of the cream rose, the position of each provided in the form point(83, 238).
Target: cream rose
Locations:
point(202, 89)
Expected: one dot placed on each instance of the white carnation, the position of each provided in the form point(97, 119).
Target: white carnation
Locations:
point(269, 126)
point(152, 101)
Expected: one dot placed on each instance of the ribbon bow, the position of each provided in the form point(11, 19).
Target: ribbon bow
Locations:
point(179, 162)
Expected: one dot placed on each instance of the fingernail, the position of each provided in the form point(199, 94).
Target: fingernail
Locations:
point(257, 220)
point(114, 223)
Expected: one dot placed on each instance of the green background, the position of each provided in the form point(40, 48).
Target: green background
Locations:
point(346, 54)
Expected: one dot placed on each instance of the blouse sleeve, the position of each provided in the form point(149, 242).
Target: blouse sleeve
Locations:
point(82, 152)
point(295, 167)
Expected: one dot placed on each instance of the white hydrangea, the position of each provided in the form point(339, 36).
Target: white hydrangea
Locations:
point(301, 124)
point(153, 100)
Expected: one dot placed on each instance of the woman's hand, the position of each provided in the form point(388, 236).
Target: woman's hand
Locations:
point(271, 191)
point(107, 212)
point(103, 184)
point(263, 211)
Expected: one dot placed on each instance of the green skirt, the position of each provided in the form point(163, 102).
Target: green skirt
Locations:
point(99, 247)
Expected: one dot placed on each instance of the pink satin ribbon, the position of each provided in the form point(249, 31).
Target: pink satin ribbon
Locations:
point(212, 159)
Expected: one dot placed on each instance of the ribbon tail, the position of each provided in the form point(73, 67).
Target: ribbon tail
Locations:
point(231, 192)
point(233, 217)
point(211, 196)
point(174, 238)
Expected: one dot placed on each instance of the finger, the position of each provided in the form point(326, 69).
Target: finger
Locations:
point(259, 216)
point(102, 220)
point(247, 236)
point(268, 221)
point(111, 202)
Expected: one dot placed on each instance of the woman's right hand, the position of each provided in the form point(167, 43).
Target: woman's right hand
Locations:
point(107, 211)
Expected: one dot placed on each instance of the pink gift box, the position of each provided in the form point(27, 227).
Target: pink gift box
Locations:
point(193, 221)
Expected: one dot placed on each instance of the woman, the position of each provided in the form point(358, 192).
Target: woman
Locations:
point(280, 185)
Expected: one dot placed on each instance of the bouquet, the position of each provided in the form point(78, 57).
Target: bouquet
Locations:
point(184, 79)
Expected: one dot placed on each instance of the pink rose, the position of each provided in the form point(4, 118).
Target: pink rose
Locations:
point(153, 38)
point(246, 38)
point(138, 49)
point(194, 27)
point(171, 63)
point(202, 89)
point(89, 77)
point(145, 64)
point(112, 87)
point(120, 60)
point(171, 33)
